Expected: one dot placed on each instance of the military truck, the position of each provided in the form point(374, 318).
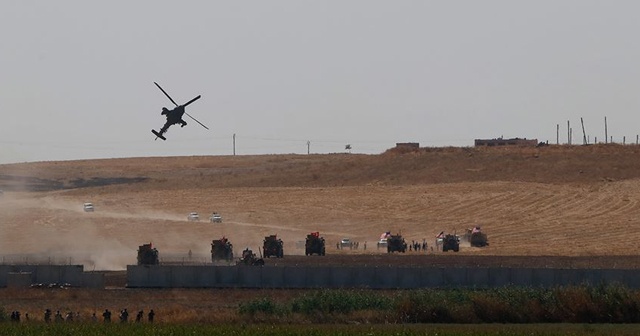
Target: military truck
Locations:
point(395, 243)
point(250, 259)
point(221, 249)
point(147, 255)
point(476, 237)
point(272, 246)
point(450, 242)
point(314, 244)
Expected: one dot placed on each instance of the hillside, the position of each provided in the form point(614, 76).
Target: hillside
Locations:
point(554, 200)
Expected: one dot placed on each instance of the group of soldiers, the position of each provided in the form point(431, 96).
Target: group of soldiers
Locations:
point(124, 316)
point(106, 316)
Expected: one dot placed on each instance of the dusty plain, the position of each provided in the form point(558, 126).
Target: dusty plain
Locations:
point(552, 206)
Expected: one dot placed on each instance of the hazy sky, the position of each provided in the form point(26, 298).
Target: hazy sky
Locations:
point(76, 77)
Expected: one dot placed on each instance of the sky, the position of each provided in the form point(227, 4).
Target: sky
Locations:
point(300, 76)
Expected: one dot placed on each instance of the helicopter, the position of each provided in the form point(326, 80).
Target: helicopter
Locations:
point(174, 116)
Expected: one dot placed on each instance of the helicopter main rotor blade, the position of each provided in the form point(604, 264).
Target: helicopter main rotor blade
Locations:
point(191, 101)
point(196, 119)
point(165, 93)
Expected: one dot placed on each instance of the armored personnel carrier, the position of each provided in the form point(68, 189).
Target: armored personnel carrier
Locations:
point(272, 246)
point(147, 255)
point(221, 249)
point(395, 243)
point(314, 244)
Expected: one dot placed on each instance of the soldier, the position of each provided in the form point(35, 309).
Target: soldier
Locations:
point(58, 317)
point(47, 315)
point(106, 316)
point(139, 316)
point(151, 316)
point(124, 316)
point(69, 317)
point(94, 318)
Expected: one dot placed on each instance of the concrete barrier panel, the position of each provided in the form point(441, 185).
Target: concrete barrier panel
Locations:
point(137, 276)
point(478, 277)
point(408, 277)
point(455, 277)
point(521, 277)
point(613, 276)
point(499, 277)
point(183, 276)
point(19, 280)
point(432, 277)
point(386, 277)
point(364, 277)
point(249, 276)
point(296, 277)
point(158, 276)
point(341, 277)
point(273, 277)
point(319, 277)
point(543, 277)
point(226, 276)
point(205, 277)
point(568, 277)
point(632, 278)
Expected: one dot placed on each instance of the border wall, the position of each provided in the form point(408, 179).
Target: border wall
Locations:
point(161, 276)
point(27, 275)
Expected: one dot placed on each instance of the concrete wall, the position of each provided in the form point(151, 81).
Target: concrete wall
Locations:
point(73, 275)
point(160, 276)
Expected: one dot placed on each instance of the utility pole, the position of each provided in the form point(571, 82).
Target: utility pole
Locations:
point(568, 133)
point(584, 135)
point(606, 136)
point(308, 147)
point(557, 134)
point(234, 144)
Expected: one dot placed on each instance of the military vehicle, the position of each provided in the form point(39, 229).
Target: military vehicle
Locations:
point(395, 243)
point(250, 259)
point(272, 246)
point(476, 237)
point(147, 255)
point(314, 244)
point(450, 242)
point(221, 249)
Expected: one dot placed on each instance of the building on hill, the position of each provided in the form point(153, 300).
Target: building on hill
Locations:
point(506, 142)
point(408, 145)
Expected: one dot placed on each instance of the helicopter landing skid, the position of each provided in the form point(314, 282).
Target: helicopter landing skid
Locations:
point(158, 135)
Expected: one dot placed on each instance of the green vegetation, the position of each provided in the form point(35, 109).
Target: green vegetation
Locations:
point(579, 304)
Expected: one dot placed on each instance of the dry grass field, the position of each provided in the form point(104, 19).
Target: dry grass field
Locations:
point(555, 206)
point(547, 201)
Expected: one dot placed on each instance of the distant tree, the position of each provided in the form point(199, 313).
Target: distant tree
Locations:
point(348, 148)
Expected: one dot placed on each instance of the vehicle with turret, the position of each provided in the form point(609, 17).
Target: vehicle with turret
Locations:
point(272, 246)
point(450, 242)
point(147, 255)
point(476, 237)
point(221, 249)
point(250, 259)
point(314, 244)
point(395, 243)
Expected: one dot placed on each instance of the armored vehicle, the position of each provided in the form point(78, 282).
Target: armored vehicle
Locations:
point(147, 255)
point(450, 242)
point(395, 243)
point(314, 244)
point(476, 237)
point(272, 246)
point(221, 249)
point(250, 259)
